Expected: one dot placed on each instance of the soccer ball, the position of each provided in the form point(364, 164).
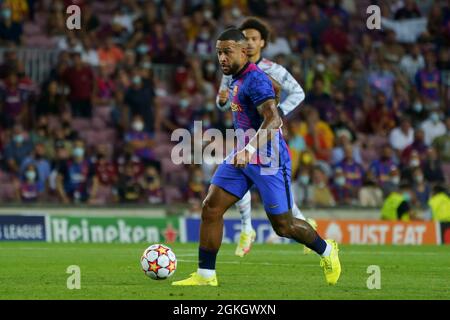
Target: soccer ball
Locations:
point(158, 262)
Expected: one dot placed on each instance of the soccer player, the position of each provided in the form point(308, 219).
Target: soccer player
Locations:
point(257, 35)
point(254, 108)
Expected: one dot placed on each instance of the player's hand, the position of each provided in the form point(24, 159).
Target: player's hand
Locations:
point(223, 97)
point(242, 158)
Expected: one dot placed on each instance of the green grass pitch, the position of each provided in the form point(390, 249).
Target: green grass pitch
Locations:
point(281, 272)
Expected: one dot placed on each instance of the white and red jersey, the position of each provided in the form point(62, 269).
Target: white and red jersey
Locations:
point(292, 93)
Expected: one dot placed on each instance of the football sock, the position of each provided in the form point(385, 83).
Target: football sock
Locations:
point(244, 207)
point(206, 262)
point(297, 213)
point(320, 246)
point(327, 251)
point(206, 273)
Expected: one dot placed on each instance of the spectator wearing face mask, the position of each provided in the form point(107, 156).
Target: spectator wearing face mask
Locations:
point(320, 194)
point(321, 71)
point(302, 186)
point(181, 115)
point(340, 189)
point(27, 188)
point(75, 181)
point(10, 30)
point(139, 98)
point(40, 164)
point(397, 206)
point(17, 149)
point(140, 142)
point(353, 174)
point(433, 127)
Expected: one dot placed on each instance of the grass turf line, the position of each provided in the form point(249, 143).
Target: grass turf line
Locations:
point(112, 271)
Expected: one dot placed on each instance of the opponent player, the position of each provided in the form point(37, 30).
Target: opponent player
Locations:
point(257, 34)
point(254, 108)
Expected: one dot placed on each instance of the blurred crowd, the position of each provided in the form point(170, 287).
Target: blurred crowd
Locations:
point(97, 130)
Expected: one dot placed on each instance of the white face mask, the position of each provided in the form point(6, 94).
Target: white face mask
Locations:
point(414, 163)
point(31, 175)
point(184, 103)
point(395, 180)
point(138, 125)
point(320, 67)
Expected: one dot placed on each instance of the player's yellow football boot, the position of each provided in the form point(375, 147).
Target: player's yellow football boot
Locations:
point(313, 224)
point(245, 243)
point(331, 265)
point(197, 280)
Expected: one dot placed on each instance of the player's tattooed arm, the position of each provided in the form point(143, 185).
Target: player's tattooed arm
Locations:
point(271, 123)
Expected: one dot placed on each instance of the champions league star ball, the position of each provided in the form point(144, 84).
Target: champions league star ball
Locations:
point(158, 262)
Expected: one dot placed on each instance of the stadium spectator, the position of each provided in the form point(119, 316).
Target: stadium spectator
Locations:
point(140, 142)
point(139, 100)
point(428, 80)
point(320, 100)
point(317, 134)
point(353, 173)
point(382, 78)
point(10, 30)
point(321, 70)
point(17, 149)
point(195, 190)
point(110, 54)
point(412, 62)
point(129, 189)
point(19, 9)
point(433, 127)
point(106, 175)
point(432, 167)
point(41, 165)
point(151, 184)
point(381, 168)
point(320, 194)
point(335, 36)
point(180, 115)
point(418, 147)
point(408, 11)
point(420, 187)
point(80, 80)
point(104, 87)
point(340, 188)
point(402, 136)
point(301, 187)
point(442, 143)
point(14, 101)
point(28, 187)
point(75, 181)
point(51, 101)
point(370, 194)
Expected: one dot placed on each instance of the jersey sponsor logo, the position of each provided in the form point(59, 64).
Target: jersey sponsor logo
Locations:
point(235, 91)
point(235, 107)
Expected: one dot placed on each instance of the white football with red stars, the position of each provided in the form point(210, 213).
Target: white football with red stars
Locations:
point(158, 262)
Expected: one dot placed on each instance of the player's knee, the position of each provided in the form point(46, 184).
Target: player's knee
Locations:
point(209, 211)
point(283, 230)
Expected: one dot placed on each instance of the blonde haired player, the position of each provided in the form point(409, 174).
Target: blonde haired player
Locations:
point(257, 35)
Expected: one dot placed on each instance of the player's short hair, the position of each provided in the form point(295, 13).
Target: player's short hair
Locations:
point(231, 34)
point(257, 24)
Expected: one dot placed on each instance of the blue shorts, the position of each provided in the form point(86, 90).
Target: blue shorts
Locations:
point(273, 184)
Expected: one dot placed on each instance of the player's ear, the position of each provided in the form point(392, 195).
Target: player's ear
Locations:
point(263, 43)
